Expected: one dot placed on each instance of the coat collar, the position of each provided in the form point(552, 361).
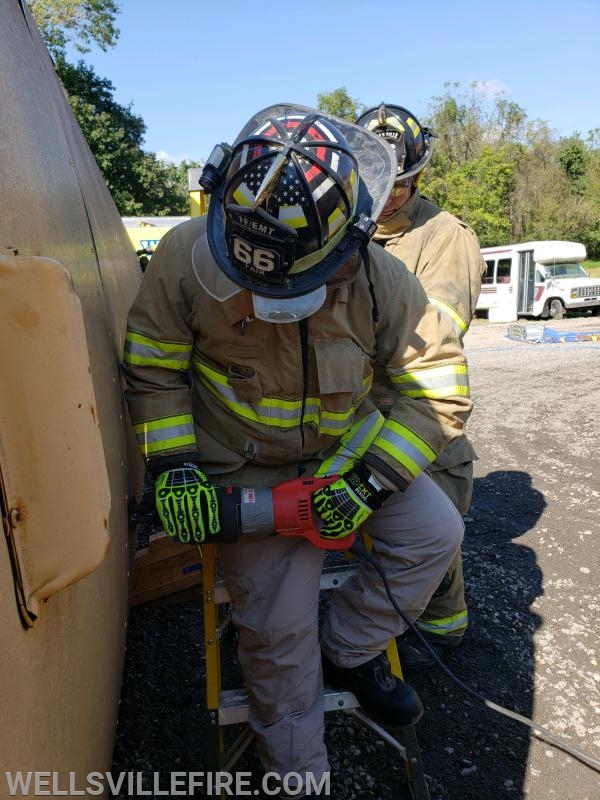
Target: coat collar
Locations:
point(401, 220)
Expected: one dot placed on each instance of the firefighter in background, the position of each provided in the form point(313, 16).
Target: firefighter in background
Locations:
point(283, 309)
point(444, 254)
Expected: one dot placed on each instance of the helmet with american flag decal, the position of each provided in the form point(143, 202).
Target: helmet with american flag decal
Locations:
point(402, 130)
point(298, 197)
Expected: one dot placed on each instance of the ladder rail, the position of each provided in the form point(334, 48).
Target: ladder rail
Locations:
point(230, 707)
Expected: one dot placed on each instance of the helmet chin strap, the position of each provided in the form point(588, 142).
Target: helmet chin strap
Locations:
point(364, 252)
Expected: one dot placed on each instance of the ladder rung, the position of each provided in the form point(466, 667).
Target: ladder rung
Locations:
point(330, 579)
point(234, 704)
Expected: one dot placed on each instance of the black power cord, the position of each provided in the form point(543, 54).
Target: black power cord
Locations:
point(359, 549)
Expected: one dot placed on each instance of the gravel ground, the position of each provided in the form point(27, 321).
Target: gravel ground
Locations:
point(531, 567)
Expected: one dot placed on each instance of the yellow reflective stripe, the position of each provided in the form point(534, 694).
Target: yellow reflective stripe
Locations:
point(268, 411)
point(168, 444)
point(414, 126)
point(243, 196)
point(335, 422)
point(306, 262)
point(433, 382)
point(353, 445)
point(457, 622)
point(147, 352)
point(460, 325)
point(167, 433)
point(404, 445)
point(336, 218)
point(293, 216)
point(276, 412)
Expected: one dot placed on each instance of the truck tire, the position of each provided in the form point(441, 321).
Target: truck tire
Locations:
point(556, 310)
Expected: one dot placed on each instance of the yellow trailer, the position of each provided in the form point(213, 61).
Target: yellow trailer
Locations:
point(146, 232)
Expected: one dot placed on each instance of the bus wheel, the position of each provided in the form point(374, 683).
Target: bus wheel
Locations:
point(556, 309)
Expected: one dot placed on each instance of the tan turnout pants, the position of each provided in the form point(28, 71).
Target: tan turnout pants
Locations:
point(273, 582)
point(448, 601)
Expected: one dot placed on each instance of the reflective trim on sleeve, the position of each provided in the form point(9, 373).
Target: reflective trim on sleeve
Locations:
point(275, 411)
point(143, 351)
point(458, 622)
point(168, 433)
point(433, 382)
point(405, 446)
point(353, 445)
point(460, 325)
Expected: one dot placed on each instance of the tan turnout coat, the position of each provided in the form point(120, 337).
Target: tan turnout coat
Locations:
point(276, 394)
point(443, 252)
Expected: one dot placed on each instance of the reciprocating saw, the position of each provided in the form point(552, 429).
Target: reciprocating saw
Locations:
point(286, 510)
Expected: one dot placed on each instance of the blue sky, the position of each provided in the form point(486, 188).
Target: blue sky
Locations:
point(197, 70)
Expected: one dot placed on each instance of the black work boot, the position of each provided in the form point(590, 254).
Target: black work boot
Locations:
point(386, 698)
point(414, 655)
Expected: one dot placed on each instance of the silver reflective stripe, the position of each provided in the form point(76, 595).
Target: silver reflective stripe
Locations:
point(446, 625)
point(143, 351)
point(353, 445)
point(398, 446)
point(274, 410)
point(285, 413)
point(153, 436)
point(168, 433)
point(451, 378)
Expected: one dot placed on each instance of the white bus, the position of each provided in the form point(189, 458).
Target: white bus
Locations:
point(536, 279)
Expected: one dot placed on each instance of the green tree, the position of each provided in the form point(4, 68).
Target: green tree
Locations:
point(591, 236)
point(82, 22)
point(139, 182)
point(543, 203)
point(340, 104)
point(464, 123)
point(476, 150)
point(572, 157)
point(478, 192)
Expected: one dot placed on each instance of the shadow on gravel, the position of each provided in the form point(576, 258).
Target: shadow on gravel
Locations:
point(472, 752)
point(469, 752)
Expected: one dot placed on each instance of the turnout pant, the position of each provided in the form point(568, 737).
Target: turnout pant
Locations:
point(273, 582)
point(446, 613)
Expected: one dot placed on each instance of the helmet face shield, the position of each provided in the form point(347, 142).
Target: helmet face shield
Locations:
point(412, 143)
point(288, 309)
point(285, 218)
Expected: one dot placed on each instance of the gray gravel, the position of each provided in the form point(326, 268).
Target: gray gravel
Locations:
point(531, 571)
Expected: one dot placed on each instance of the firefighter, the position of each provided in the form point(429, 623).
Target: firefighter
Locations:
point(283, 311)
point(444, 254)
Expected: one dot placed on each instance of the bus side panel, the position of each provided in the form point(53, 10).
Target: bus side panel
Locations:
point(499, 285)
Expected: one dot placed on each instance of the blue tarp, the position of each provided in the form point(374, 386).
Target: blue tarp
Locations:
point(540, 334)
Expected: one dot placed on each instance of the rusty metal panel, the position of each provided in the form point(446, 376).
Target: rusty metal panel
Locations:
point(53, 467)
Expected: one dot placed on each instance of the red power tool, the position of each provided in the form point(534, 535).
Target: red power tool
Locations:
point(285, 509)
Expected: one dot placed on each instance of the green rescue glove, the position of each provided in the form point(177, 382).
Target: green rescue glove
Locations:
point(345, 504)
point(187, 504)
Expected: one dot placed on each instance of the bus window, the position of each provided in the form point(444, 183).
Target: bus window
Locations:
point(503, 272)
point(489, 272)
